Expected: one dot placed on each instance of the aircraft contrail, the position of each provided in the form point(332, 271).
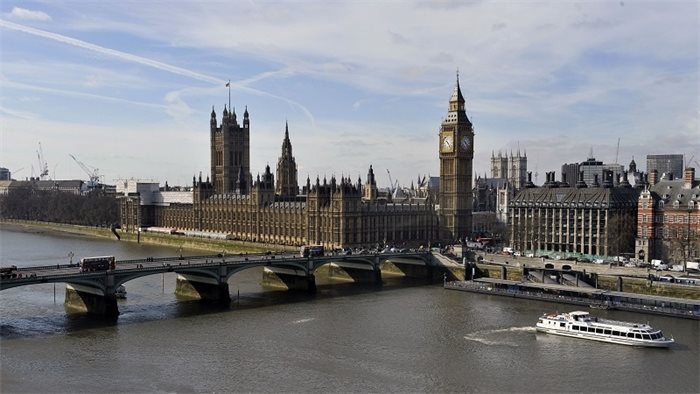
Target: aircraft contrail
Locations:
point(147, 62)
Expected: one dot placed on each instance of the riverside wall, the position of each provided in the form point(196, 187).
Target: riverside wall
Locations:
point(630, 284)
point(176, 241)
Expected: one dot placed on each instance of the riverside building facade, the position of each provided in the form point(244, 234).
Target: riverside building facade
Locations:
point(335, 213)
point(668, 225)
point(576, 220)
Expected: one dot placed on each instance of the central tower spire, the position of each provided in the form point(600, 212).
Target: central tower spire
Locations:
point(287, 181)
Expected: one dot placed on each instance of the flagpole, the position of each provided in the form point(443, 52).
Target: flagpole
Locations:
point(229, 94)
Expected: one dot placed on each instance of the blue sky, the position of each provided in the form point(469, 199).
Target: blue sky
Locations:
point(127, 86)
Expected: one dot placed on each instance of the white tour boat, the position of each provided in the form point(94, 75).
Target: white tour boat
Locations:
point(582, 325)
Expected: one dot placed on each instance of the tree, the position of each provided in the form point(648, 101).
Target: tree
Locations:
point(92, 209)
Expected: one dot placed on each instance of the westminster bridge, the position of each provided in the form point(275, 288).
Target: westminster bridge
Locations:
point(206, 277)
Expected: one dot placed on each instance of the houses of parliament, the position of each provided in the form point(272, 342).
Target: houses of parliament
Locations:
point(335, 212)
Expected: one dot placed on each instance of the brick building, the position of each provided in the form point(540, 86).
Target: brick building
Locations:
point(668, 223)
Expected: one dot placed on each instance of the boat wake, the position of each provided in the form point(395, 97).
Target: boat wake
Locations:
point(498, 336)
point(305, 320)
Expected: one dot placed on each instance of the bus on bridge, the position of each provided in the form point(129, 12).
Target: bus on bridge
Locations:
point(98, 263)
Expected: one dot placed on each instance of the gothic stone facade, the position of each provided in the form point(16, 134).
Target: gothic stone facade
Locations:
point(456, 157)
point(512, 168)
point(335, 213)
point(574, 221)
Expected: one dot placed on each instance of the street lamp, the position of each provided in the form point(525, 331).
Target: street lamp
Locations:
point(534, 242)
point(687, 241)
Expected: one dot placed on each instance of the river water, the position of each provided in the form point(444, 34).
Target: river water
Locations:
point(403, 337)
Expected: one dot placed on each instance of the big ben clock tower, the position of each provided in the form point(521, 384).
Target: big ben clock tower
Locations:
point(456, 156)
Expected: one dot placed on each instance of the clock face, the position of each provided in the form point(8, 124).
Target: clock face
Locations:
point(447, 143)
point(465, 143)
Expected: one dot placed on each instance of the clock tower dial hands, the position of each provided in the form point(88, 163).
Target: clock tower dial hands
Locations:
point(465, 143)
point(447, 143)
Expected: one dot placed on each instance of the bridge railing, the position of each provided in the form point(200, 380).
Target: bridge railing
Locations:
point(142, 260)
point(224, 257)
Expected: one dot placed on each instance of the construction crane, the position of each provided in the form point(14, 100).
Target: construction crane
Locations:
point(91, 172)
point(690, 161)
point(392, 185)
point(43, 166)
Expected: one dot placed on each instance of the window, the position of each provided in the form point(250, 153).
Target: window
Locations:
point(630, 335)
point(562, 324)
point(607, 332)
point(598, 330)
point(616, 333)
point(637, 336)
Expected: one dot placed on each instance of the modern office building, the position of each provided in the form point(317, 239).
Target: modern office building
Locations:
point(665, 164)
point(569, 173)
point(592, 172)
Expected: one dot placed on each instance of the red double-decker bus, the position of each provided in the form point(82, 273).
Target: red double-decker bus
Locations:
point(311, 251)
point(98, 263)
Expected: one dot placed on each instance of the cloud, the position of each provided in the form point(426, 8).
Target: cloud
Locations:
point(175, 106)
point(544, 74)
point(111, 52)
point(593, 24)
point(442, 57)
point(150, 62)
point(70, 93)
point(18, 114)
point(28, 15)
point(397, 38)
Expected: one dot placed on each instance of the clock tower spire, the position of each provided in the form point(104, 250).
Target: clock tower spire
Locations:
point(456, 147)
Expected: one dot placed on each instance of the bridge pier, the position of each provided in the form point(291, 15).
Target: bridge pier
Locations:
point(288, 279)
point(358, 273)
point(84, 299)
point(202, 288)
point(415, 271)
point(470, 271)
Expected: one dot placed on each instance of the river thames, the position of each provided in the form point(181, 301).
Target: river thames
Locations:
point(403, 337)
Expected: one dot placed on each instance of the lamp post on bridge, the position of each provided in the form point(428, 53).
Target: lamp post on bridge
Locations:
point(687, 242)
